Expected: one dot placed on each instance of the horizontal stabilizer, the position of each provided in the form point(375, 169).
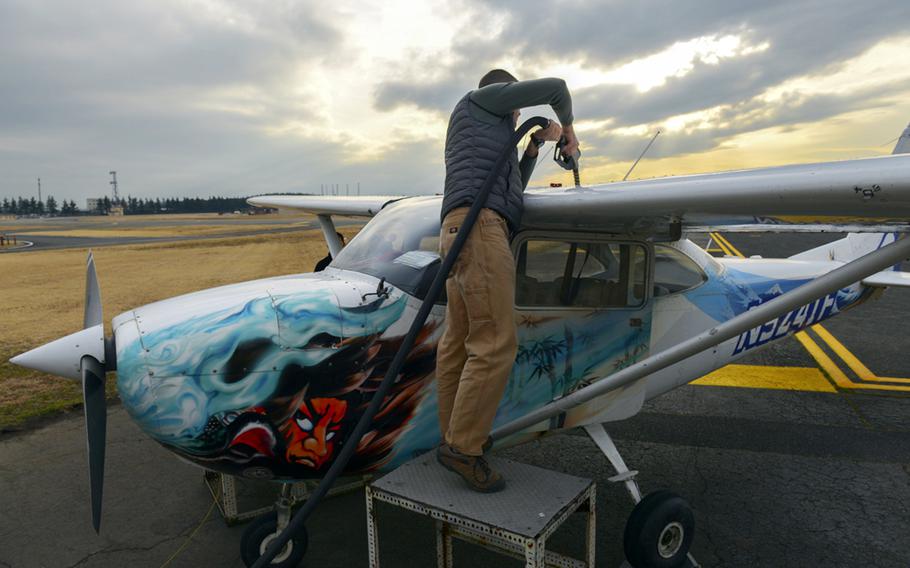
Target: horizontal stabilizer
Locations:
point(889, 278)
point(849, 248)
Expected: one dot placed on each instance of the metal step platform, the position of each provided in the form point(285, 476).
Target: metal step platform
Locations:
point(516, 521)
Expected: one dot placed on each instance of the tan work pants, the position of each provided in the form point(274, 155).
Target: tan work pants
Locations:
point(477, 349)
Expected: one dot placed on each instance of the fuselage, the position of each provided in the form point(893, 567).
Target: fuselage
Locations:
point(266, 378)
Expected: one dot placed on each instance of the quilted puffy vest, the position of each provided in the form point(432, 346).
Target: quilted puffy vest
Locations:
point(472, 148)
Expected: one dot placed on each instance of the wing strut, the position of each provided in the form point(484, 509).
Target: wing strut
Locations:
point(330, 234)
point(838, 278)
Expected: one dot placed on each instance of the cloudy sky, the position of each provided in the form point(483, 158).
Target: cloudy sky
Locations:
point(209, 97)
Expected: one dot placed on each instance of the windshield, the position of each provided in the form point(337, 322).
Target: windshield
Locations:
point(400, 244)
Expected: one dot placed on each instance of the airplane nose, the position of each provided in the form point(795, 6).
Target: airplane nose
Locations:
point(183, 360)
point(189, 360)
point(194, 371)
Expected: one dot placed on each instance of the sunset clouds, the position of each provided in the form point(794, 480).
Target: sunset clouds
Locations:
point(236, 98)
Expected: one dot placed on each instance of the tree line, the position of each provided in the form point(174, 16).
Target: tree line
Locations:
point(131, 205)
point(32, 206)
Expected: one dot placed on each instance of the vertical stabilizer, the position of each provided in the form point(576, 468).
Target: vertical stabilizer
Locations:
point(903, 143)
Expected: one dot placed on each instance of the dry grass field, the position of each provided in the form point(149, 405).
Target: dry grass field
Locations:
point(148, 225)
point(191, 230)
point(42, 294)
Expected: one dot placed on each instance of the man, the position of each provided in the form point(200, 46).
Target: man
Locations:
point(477, 350)
point(320, 266)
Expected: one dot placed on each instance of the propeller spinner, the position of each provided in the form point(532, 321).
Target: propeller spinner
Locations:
point(84, 356)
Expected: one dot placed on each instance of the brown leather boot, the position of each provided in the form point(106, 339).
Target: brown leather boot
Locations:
point(473, 469)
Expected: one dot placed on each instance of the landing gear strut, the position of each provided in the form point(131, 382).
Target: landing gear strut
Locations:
point(260, 533)
point(660, 528)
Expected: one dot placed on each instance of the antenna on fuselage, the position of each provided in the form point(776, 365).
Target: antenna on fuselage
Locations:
point(640, 156)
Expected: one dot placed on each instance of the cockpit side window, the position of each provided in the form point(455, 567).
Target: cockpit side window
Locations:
point(560, 273)
point(674, 272)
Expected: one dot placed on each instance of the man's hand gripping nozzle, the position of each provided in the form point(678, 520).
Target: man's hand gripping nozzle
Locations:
point(567, 162)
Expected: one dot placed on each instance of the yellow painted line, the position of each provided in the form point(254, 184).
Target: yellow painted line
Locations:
point(730, 246)
point(768, 377)
point(825, 362)
point(834, 372)
point(852, 360)
point(708, 246)
point(718, 242)
point(714, 241)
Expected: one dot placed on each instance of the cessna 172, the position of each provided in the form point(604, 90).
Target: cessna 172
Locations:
point(265, 379)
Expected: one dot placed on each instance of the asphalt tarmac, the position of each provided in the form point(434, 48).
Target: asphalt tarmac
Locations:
point(776, 476)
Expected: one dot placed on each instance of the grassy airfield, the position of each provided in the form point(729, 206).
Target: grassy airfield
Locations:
point(42, 292)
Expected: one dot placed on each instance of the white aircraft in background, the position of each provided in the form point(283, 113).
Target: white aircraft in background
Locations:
point(265, 379)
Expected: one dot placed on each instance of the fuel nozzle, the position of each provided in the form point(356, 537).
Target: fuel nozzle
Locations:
point(567, 162)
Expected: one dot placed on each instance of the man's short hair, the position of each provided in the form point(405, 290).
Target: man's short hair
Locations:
point(496, 76)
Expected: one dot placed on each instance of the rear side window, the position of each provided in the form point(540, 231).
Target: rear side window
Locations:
point(674, 272)
point(554, 273)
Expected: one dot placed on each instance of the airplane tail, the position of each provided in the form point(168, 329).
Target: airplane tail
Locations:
point(855, 245)
point(903, 142)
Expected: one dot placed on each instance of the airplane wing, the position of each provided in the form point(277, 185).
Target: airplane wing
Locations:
point(871, 194)
point(863, 195)
point(348, 206)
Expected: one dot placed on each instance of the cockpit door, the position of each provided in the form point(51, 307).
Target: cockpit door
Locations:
point(583, 309)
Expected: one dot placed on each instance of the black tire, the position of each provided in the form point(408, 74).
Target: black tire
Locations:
point(659, 532)
point(260, 532)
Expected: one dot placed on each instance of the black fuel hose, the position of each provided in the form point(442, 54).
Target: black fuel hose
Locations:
point(347, 451)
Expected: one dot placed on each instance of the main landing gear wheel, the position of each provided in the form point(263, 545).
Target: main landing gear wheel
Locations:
point(659, 532)
point(260, 533)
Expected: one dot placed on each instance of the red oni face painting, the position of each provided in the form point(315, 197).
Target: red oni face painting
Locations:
point(311, 434)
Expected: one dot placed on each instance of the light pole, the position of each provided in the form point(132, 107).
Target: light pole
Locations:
point(113, 183)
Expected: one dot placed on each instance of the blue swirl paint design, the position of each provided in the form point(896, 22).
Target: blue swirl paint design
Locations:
point(173, 380)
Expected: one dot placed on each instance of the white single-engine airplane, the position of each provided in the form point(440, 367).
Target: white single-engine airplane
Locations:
point(265, 379)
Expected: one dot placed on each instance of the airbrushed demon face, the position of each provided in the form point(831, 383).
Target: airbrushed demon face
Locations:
point(312, 432)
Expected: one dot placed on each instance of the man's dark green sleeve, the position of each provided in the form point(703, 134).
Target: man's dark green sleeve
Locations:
point(503, 98)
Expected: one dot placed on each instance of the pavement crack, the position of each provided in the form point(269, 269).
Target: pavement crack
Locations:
point(113, 549)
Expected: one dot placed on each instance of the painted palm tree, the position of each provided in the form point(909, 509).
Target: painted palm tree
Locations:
point(544, 354)
point(537, 359)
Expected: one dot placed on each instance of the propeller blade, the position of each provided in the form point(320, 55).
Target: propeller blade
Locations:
point(95, 430)
point(92, 315)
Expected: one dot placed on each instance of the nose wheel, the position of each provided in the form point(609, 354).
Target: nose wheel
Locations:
point(264, 529)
